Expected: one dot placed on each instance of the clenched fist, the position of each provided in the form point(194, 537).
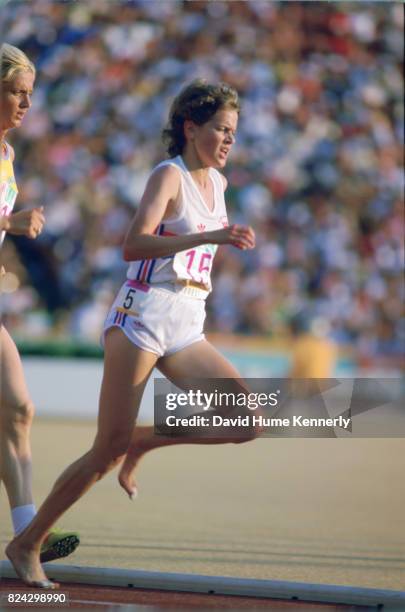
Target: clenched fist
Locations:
point(25, 222)
point(240, 236)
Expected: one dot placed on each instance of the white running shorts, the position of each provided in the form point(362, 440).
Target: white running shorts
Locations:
point(159, 320)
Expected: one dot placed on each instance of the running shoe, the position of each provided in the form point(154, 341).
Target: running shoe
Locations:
point(59, 544)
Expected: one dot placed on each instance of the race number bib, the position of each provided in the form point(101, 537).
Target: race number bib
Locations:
point(195, 264)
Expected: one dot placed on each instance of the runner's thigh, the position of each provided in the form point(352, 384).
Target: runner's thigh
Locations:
point(126, 371)
point(13, 388)
point(199, 360)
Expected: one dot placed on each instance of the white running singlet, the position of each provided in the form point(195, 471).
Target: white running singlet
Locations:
point(8, 186)
point(193, 266)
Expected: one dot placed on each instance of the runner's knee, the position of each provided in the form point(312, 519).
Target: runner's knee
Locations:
point(110, 451)
point(17, 418)
point(106, 464)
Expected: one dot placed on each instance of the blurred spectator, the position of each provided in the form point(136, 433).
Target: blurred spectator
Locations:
point(317, 169)
point(313, 353)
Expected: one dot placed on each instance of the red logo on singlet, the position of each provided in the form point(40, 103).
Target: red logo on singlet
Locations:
point(201, 227)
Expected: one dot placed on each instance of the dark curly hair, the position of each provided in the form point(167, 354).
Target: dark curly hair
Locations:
point(198, 101)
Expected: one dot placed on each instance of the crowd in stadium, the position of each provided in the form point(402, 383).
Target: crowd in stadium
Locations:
point(317, 168)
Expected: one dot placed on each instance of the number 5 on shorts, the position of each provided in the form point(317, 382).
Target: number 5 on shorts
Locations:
point(129, 300)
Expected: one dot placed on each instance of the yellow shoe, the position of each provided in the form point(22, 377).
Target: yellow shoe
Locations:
point(59, 544)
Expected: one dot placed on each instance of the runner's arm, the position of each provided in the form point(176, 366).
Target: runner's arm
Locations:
point(141, 242)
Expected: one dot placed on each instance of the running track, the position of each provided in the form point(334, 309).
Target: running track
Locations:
point(94, 596)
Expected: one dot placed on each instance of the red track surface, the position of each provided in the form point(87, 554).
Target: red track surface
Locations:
point(94, 596)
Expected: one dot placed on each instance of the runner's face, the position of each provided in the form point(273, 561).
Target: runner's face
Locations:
point(15, 99)
point(214, 139)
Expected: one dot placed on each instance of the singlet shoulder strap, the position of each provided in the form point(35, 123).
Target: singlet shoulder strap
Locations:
point(217, 176)
point(176, 163)
point(5, 150)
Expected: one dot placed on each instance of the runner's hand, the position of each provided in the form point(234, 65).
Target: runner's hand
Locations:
point(26, 222)
point(239, 236)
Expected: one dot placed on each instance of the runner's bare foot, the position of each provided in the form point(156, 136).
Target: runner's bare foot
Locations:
point(27, 566)
point(142, 442)
point(125, 477)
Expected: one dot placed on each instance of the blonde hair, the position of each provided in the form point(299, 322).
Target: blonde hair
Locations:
point(12, 61)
